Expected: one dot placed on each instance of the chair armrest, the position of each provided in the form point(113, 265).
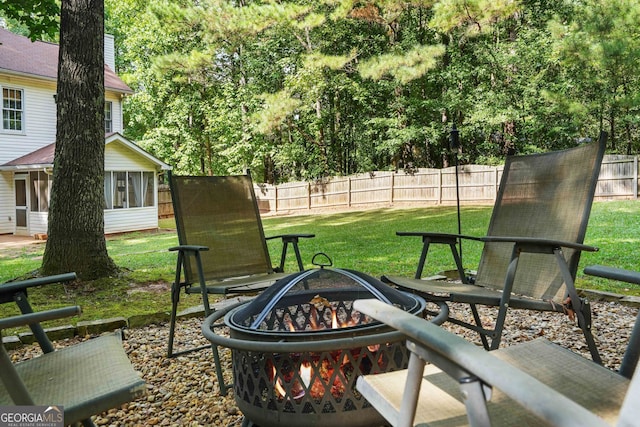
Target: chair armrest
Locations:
point(454, 354)
point(449, 237)
point(31, 318)
point(190, 248)
point(291, 237)
point(446, 238)
point(12, 287)
point(613, 273)
point(535, 241)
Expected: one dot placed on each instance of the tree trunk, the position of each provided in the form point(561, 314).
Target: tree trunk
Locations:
point(76, 239)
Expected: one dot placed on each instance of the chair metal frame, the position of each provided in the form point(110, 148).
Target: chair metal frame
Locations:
point(476, 372)
point(192, 275)
point(565, 254)
point(29, 382)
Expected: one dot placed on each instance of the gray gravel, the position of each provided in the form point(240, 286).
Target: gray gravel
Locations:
point(184, 391)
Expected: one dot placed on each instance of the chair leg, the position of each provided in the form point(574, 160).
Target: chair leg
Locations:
point(175, 298)
point(283, 255)
point(38, 332)
point(475, 401)
point(584, 321)
point(581, 306)
point(476, 318)
point(216, 360)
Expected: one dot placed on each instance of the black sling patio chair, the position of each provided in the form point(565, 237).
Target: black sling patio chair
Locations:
point(222, 247)
point(533, 245)
point(83, 379)
point(452, 382)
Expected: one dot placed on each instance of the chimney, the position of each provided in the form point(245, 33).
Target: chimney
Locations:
point(110, 52)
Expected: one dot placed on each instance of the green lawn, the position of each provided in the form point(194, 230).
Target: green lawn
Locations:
point(362, 240)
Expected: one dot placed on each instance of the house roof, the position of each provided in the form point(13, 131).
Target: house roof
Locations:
point(43, 157)
point(19, 55)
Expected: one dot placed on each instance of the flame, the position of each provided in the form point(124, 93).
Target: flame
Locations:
point(277, 383)
point(305, 373)
point(334, 319)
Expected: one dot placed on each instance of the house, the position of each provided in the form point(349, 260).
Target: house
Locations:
point(28, 72)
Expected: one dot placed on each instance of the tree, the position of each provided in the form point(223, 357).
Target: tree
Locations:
point(76, 239)
point(39, 16)
point(599, 51)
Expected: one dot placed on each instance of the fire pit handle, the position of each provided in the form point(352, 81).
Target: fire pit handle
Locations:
point(321, 264)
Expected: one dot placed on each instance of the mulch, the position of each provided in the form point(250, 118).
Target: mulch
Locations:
point(184, 391)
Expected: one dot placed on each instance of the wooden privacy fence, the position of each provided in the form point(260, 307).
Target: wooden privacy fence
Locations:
point(477, 184)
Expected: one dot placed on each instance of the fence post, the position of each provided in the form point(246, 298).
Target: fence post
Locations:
point(309, 196)
point(393, 181)
point(439, 186)
point(349, 193)
point(495, 184)
point(635, 177)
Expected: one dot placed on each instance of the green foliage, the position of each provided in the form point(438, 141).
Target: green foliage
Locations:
point(302, 89)
point(600, 50)
point(405, 67)
point(41, 18)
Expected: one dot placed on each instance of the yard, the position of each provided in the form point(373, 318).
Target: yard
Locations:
point(362, 240)
point(183, 390)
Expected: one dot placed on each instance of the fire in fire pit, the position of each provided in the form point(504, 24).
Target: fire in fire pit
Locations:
point(299, 346)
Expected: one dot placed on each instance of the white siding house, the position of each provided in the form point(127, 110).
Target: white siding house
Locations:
point(28, 72)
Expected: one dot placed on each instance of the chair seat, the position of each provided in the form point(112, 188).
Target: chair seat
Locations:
point(440, 402)
point(239, 285)
point(86, 379)
point(466, 293)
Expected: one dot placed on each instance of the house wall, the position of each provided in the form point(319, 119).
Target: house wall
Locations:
point(39, 131)
point(122, 220)
point(117, 158)
point(110, 51)
point(116, 99)
point(7, 203)
point(38, 223)
point(120, 158)
point(39, 115)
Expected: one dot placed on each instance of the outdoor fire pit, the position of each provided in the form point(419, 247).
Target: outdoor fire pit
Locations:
point(299, 346)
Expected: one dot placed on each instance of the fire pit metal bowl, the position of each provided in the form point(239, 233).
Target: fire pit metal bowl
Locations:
point(298, 347)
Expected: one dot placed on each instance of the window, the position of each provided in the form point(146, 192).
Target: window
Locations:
point(128, 190)
point(40, 191)
point(12, 109)
point(108, 116)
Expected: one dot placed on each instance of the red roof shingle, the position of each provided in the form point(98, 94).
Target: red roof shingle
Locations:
point(18, 54)
point(42, 156)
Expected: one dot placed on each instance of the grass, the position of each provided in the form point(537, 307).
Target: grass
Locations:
point(361, 240)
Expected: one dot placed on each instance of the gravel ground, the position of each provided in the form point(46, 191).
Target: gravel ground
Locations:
point(184, 391)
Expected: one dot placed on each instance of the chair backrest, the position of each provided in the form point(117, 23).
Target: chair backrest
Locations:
point(220, 212)
point(548, 196)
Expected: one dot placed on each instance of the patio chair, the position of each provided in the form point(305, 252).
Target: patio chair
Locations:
point(222, 247)
point(84, 379)
point(532, 248)
point(532, 383)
